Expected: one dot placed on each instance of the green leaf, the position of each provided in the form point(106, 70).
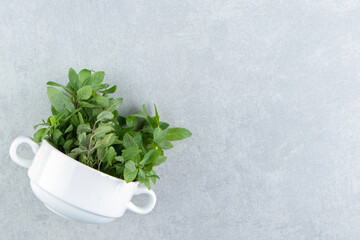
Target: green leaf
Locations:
point(163, 125)
point(75, 121)
point(106, 141)
point(130, 165)
point(87, 140)
point(130, 153)
point(83, 128)
point(158, 135)
point(176, 134)
point(114, 104)
point(52, 121)
point(72, 114)
point(131, 121)
point(156, 118)
point(74, 79)
point(81, 119)
point(110, 90)
point(84, 93)
point(143, 108)
point(147, 183)
point(41, 124)
point(103, 86)
point(105, 116)
point(59, 100)
point(141, 176)
point(137, 159)
point(119, 159)
point(54, 84)
point(159, 160)
point(119, 169)
point(102, 131)
point(111, 124)
point(95, 80)
point(101, 100)
point(82, 138)
point(76, 152)
point(153, 179)
point(153, 176)
point(88, 105)
point(116, 114)
point(129, 175)
point(40, 135)
point(138, 139)
point(67, 89)
point(96, 111)
point(148, 118)
point(149, 157)
point(110, 157)
point(60, 116)
point(165, 144)
point(84, 75)
point(128, 141)
point(141, 115)
point(101, 153)
point(69, 129)
point(68, 144)
point(53, 110)
point(56, 136)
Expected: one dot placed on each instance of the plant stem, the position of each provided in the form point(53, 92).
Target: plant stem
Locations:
point(82, 147)
point(88, 158)
point(75, 103)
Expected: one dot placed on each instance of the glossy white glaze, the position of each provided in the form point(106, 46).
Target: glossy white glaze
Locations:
point(76, 191)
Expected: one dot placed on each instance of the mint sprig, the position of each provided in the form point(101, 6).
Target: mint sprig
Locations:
point(86, 125)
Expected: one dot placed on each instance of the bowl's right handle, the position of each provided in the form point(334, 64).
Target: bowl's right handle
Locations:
point(149, 206)
point(26, 163)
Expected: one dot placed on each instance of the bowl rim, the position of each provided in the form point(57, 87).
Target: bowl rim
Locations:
point(80, 164)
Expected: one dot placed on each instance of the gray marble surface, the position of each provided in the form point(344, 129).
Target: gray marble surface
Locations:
point(270, 90)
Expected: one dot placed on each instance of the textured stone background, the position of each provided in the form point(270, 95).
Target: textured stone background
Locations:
point(270, 90)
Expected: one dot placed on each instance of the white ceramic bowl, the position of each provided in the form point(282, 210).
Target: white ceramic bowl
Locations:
point(76, 191)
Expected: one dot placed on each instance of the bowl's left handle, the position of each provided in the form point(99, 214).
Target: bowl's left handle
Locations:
point(26, 163)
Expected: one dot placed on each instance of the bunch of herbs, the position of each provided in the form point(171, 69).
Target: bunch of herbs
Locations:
point(86, 125)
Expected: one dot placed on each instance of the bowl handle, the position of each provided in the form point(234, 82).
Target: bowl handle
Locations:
point(26, 163)
point(149, 206)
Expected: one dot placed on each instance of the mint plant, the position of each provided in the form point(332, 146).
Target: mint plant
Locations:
point(86, 125)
